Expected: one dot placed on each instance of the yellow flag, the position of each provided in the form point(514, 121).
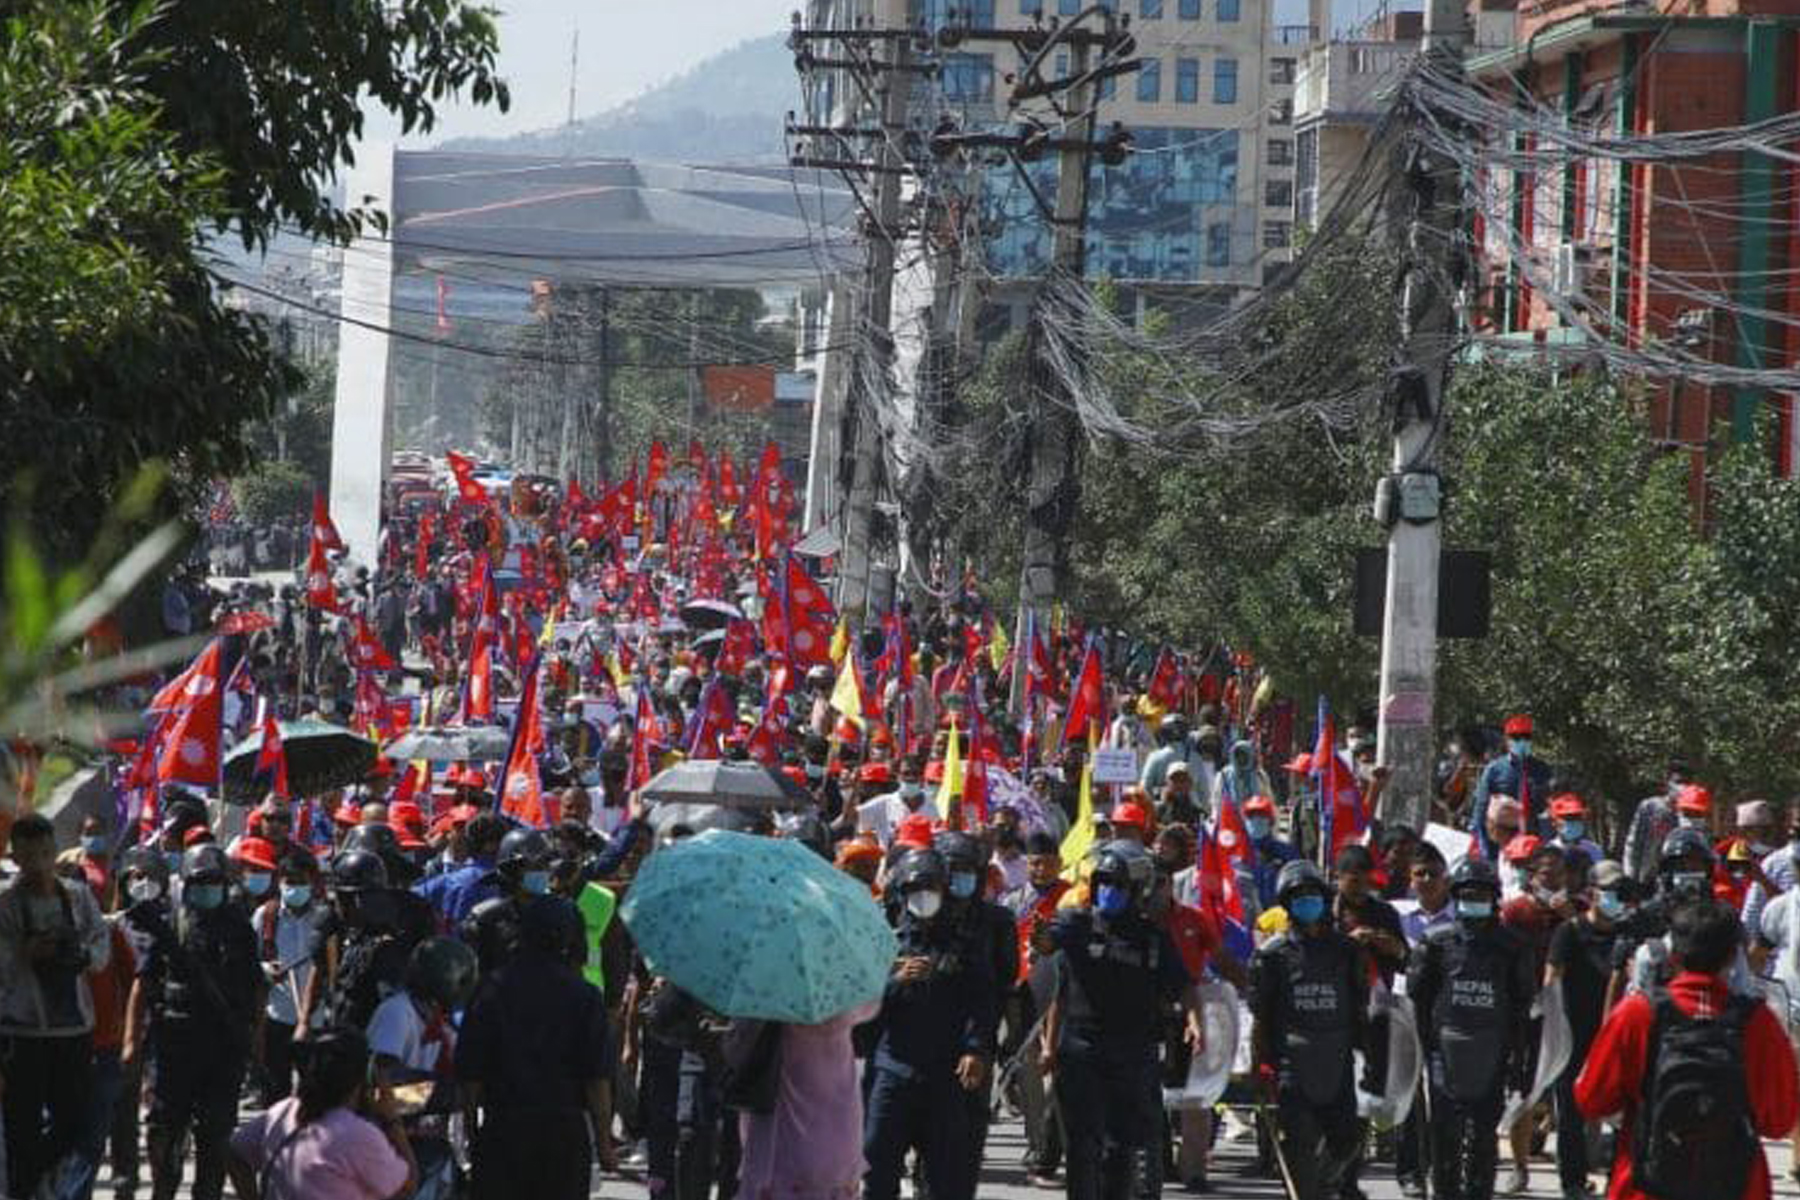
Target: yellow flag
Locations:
point(840, 645)
point(1080, 839)
point(951, 788)
point(549, 634)
point(998, 645)
point(846, 696)
point(616, 669)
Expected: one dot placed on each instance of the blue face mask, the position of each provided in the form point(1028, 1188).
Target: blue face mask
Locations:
point(297, 895)
point(1520, 747)
point(173, 859)
point(1611, 906)
point(1572, 831)
point(1111, 900)
point(536, 883)
point(1258, 828)
point(1307, 910)
point(204, 896)
point(962, 884)
point(257, 883)
point(1474, 910)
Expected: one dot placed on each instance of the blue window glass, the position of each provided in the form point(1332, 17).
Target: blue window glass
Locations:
point(1218, 244)
point(1149, 81)
point(1107, 87)
point(1189, 10)
point(1149, 10)
point(1228, 10)
point(1225, 81)
point(1069, 8)
point(968, 78)
point(1031, 8)
point(1187, 81)
point(1062, 64)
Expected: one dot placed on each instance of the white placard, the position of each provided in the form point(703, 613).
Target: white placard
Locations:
point(1115, 766)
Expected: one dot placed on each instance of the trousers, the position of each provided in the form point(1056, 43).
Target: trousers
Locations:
point(1110, 1101)
point(194, 1083)
point(49, 1086)
point(920, 1110)
point(1464, 1148)
point(1319, 1143)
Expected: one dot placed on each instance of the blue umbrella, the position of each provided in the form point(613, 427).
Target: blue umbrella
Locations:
point(759, 927)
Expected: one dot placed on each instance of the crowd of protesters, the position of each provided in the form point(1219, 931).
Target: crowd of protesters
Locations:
point(414, 983)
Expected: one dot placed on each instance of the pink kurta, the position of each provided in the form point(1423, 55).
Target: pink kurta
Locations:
point(810, 1146)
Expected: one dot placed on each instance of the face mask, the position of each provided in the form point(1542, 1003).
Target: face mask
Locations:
point(911, 791)
point(95, 846)
point(1761, 849)
point(1111, 900)
point(297, 895)
point(257, 883)
point(814, 771)
point(924, 905)
point(1610, 905)
point(143, 889)
point(1474, 910)
point(1307, 910)
point(1688, 881)
point(535, 883)
point(1257, 827)
point(591, 777)
point(1690, 822)
point(204, 896)
point(1520, 747)
point(962, 884)
point(1572, 830)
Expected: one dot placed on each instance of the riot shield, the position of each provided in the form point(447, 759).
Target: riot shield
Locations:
point(1389, 1110)
point(1210, 1069)
point(1555, 1044)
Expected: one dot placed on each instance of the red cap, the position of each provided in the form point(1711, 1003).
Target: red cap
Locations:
point(847, 731)
point(1695, 798)
point(197, 835)
point(408, 823)
point(1131, 813)
point(1568, 804)
point(934, 771)
point(881, 737)
point(473, 777)
point(857, 850)
point(1300, 764)
point(454, 818)
point(1518, 725)
point(795, 772)
point(1521, 848)
point(875, 772)
point(914, 830)
point(255, 852)
point(1261, 805)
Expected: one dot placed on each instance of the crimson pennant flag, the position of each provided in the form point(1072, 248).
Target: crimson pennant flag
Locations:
point(320, 592)
point(765, 741)
point(181, 692)
point(521, 787)
point(575, 502)
point(462, 469)
point(975, 767)
point(697, 458)
point(366, 651)
point(324, 533)
point(1341, 817)
point(271, 757)
point(712, 722)
point(656, 466)
point(190, 749)
point(705, 515)
point(1165, 681)
point(422, 550)
point(1088, 705)
point(1220, 899)
point(729, 494)
point(738, 647)
point(411, 785)
point(800, 623)
point(643, 732)
point(478, 688)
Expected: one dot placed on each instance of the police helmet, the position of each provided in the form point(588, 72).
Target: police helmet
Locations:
point(1298, 876)
point(523, 849)
point(376, 839)
point(205, 862)
point(959, 850)
point(145, 860)
point(1471, 872)
point(553, 925)
point(1684, 843)
point(358, 871)
point(442, 970)
point(917, 870)
point(1123, 863)
point(806, 829)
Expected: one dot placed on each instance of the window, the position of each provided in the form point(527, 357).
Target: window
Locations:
point(1277, 234)
point(1189, 10)
point(1225, 81)
point(1107, 88)
point(1062, 64)
point(1282, 111)
point(1218, 244)
point(1150, 10)
point(1281, 152)
point(1281, 71)
point(1278, 193)
point(1187, 81)
point(968, 78)
point(1149, 81)
point(1068, 8)
point(1031, 8)
point(1228, 10)
point(979, 13)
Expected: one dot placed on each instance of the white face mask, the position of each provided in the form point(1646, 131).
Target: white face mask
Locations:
point(144, 889)
point(924, 904)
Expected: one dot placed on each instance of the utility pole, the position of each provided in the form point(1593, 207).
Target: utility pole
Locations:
point(603, 427)
point(873, 358)
point(693, 375)
point(1410, 498)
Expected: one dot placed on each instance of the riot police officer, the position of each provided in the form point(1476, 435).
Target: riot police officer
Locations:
point(933, 1041)
point(1309, 1000)
point(1114, 972)
point(373, 943)
point(1473, 985)
point(522, 870)
point(991, 927)
point(198, 988)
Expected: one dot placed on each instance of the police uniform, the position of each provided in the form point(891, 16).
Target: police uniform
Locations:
point(1473, 986)
point(1113, 976)
point(912, 1096)
point(1309, 995)
point(203, 987)
point(372, 955)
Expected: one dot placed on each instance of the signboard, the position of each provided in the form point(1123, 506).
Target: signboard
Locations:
point(740, 388)
point(1115, 766)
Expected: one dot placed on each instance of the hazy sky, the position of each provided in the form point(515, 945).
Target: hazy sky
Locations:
point(626, 46)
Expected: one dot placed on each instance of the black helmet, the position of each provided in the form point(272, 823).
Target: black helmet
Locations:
point(917, 869)
point(959, 850)
point(1682, 843)
point(443, 970)
point(205, 862)
point(376, 839)
point(1472, 872)
point(1123, 863)
point(808, 830)
point(358, 871)
point(523, 849)
point(553, 925)
point(145, 860)
point(1297, 876)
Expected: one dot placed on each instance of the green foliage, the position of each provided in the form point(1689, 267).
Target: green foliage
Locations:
point(274, 491)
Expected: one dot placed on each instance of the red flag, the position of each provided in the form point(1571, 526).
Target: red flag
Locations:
point(797, 617)
point(1217, 883)
point(1165, 681)
point(271, 758)
point(697, 458)
point(190, 749)
point(1088, 705)
point(655, 467)
point(643, 732)
point(478, 695)
point(422, 552)
point(728, 487)
point(245, 622)
point(366, 651)
point(713, 721)
point(324, 533)
point(738, 647)
point(462, 469)
point(320, 593)
point(1340, 800)
point(521, 788)
point(576, 501)
point(192, 685)
point(765, 741)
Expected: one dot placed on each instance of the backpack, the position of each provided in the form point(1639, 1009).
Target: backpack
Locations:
point(1694, 1139)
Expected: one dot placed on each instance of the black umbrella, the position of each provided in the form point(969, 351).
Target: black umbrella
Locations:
point(710, 614)
point(473, 743)
point(319, 757)
point(729, 782)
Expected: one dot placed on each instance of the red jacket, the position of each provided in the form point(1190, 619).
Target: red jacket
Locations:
point(1613, 1079)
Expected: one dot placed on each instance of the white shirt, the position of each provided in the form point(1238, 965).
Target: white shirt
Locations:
point(1780, 928)
point(882, 815)
point(293, 940)
point(1417, 924)
point(398, 1031)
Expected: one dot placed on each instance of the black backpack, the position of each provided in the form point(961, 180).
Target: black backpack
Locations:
point(1694, 1139)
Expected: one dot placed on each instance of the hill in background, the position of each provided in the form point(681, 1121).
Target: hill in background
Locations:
point(728, 108)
